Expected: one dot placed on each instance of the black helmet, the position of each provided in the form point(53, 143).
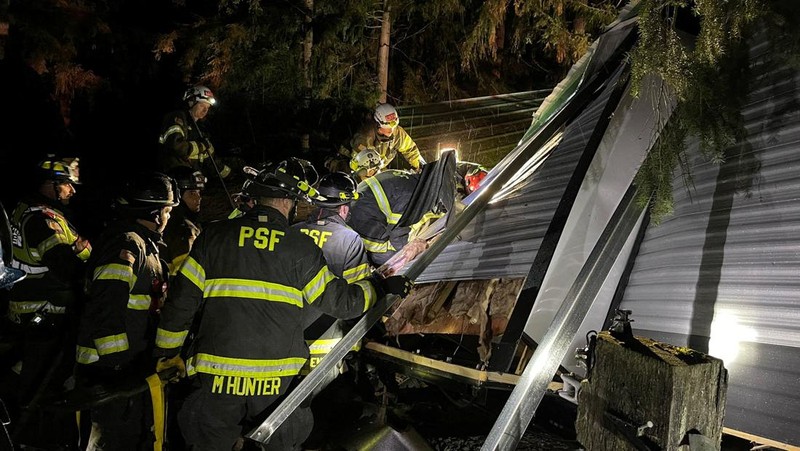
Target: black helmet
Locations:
point(58, 171)
point(288, 178)
point(337, 188)
point(148, 193)
point(188, 178)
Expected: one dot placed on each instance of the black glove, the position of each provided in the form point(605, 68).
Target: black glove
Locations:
point(398, 285)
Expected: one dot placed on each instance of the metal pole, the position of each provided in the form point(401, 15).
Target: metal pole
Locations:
point(529, 391)
point(531, 149)
point(214, 164)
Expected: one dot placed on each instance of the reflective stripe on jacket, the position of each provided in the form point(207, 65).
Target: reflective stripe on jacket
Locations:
point(252, 276)
point(374, 216)
point(125, 288)
point(42, 240)
point(400, 141)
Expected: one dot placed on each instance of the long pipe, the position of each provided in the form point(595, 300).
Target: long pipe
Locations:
point(531, 149)
point(529, 391)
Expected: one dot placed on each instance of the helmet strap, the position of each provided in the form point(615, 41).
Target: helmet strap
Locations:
point(293, 211)
point(56, 192)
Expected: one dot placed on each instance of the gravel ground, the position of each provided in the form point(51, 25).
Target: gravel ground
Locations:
point(531, 441)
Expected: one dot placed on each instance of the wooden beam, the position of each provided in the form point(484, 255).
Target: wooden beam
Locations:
point(457, 370)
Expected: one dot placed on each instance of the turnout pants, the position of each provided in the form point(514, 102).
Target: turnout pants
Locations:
point(221, 409)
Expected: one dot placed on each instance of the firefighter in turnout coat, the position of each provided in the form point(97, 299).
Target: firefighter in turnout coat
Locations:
point(251, 279)
point(387, 138)
point(127, 283)
point(393, 205)
point(343, 250)
point(182, 142)
point(43, 307)
point(347, 258)
point(184, 223)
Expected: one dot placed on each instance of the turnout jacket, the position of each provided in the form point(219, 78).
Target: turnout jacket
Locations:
point(342, 246)
point(253, 277)
point(347, 258)
point(182, 144)
point(178, 237)
point(43, 240)
point(375, 215)
point(127, 282)
point(400, 141)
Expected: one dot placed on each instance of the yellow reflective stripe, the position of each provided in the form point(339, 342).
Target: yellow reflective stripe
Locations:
point(111, 344)
point(257, 368)
point(253, 289)
point(322, 346)
point(316, 286)
point(170, 340)
point(325, 345)
point(377, 247)
point(175, 264)
point(355, 274)
point(115, 271)
point(417, 226)
point(382, 201)
point(192, 270)
point(66, 236)
point(21, 307)
point(51, 242)
point(139, 302)
point(170, 131)
point(370, 295)
point(86, 355)
point(85, 254)
point(195, 153)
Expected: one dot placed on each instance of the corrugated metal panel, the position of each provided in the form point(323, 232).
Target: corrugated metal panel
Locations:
point(502, 241)
point(484, 128)
point(726, 265)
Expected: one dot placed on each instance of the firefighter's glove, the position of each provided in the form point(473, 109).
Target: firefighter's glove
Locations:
point(397, 285)
point(164, 364)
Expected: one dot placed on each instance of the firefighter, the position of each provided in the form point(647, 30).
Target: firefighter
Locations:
point(43, 307)
point(385, 136)
point(126, 287)
point(347, 258)
point(343, 249)
point(251, 279)
point(184, 224)
point(394, 205)
point(182, 142)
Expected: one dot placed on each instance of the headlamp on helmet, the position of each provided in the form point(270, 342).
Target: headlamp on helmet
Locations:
point(199, 93)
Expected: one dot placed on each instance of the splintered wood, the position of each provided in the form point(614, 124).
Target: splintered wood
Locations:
point(474, 307)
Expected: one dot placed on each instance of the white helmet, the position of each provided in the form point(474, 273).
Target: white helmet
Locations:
point(199, 93)
point(366, 159)
point(386, 116)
